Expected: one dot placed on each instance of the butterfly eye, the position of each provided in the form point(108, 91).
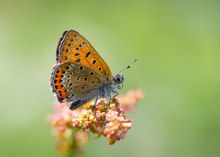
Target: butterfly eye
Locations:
point(118, 79)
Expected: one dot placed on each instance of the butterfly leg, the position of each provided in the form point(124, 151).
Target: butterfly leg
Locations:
point(109, 99)
point(96, 99)
point(115, 93)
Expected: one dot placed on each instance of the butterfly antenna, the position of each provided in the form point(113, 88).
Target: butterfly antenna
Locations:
point(127, 66)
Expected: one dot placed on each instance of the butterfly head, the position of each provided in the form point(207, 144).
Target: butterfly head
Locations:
point(118, 81)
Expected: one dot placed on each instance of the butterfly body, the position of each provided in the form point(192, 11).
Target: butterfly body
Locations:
point(80, 73)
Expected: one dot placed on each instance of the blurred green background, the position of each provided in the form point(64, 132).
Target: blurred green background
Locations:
point(178, 46)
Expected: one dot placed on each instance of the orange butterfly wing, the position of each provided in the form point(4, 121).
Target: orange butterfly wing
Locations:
point(73, 47)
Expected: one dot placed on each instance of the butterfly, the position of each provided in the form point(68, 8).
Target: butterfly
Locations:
point(80, 73)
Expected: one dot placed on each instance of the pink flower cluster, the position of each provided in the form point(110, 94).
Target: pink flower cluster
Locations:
point(103, 119)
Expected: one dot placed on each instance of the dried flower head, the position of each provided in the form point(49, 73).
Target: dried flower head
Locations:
point(103, 119)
